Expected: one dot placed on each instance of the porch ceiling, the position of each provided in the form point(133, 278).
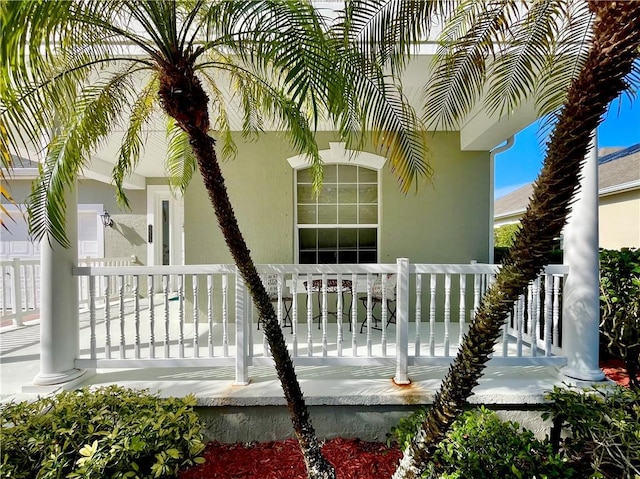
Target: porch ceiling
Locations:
point(479, 131)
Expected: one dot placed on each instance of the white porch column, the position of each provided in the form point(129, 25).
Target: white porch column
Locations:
point(402, 322)
point(580, 308)
point(59, 315)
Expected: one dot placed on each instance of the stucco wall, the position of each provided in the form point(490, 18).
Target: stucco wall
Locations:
point(446, 222)
point(620, 220)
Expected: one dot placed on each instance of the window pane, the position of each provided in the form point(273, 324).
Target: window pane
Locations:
point(327, 238)
point(345, 257)
point(330, 174)
point(367, 175)
point(368, 238)
point(327, 257)
point(307, 238)
point(306, 214)
point(327, 214)
point(305, 194)
point(304, 176)
point(368, 214)
point(367, 257)
point(347, 174)
point(307, 257)
point(368, 193)
point(329, 193)
point(348, 214)
point(347, 238)
point(348, 194)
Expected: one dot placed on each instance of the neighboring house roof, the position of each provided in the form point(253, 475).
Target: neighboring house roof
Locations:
point(618, 170)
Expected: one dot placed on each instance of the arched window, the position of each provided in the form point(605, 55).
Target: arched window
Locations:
point(340, 224)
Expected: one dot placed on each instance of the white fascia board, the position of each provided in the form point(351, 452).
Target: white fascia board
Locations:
point(621, 188)
point(100, 170)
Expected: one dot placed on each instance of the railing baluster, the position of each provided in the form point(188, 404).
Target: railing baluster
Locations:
point(447, 312)
point(294, 312)
point(548, 313)
point(309, 315)
point(383, 314)
point(505, 331)
point(462, 306)
point(432, 314)
point(533, 318)
point(136, 315)
point(196, 319)
point(210, 313)
point(339, 315)
point(165, 294)
point(181, 315)
point(92, 317)
point(354, 314)
point(225, 316)
point(152, 319)
point(17, 293)
point(324, 314)
point(122, 318)
point(519, 324)
point(556, 310)
point(418, 314)
point(369, 311)
point(107, 319)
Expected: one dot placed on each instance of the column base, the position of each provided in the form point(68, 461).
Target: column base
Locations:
point(51, 379)
point(593, 375)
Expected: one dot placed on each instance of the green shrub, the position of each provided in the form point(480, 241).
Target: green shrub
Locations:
point(480, 445)
point(503, 235)
point(603, 426)
point(110, 432)
point(620, 307)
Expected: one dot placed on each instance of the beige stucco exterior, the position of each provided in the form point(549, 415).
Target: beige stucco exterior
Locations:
point(443, 222)
point(620, 220)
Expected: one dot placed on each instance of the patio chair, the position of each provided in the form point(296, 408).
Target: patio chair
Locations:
point(332, 287)
point(270, 282)
point(376, 298)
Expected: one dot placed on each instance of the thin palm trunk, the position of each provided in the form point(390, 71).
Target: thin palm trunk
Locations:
point(615, 46)
point(184, 99)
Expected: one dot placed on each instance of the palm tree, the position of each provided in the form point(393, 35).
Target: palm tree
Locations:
point(512, 51)
point(74, 71)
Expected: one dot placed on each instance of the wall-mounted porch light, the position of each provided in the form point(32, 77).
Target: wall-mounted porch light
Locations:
point(106, 219)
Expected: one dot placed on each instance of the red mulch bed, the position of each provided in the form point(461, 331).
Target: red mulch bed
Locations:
point(614, 370)
point(353, 458)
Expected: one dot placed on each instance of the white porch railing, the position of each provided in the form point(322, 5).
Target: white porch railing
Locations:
point(19, 290)
point(20, 286)
point(105, 285)
point(209, 319)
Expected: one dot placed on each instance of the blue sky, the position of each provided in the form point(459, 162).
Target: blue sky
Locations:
point(521, 164)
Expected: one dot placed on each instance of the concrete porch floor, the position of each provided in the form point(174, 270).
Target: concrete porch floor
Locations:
point(343, 401)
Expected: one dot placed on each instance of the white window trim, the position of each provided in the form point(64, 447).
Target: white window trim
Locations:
point(337, 154)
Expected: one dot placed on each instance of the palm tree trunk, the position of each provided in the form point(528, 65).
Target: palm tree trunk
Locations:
point(184, 99)
point(614, 47)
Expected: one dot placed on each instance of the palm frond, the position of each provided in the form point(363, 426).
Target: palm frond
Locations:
point(469, 39)
point(132, 143)
point(389, 31)
point(180, 160)
point(95, 114)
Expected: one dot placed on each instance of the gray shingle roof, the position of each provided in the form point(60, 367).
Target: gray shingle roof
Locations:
point(616, 168)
